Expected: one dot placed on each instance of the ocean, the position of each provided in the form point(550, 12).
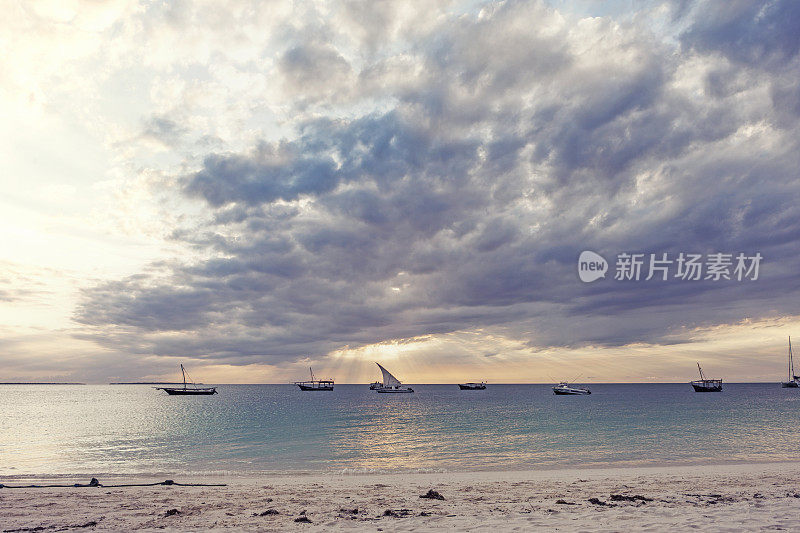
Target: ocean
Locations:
point(250, 429)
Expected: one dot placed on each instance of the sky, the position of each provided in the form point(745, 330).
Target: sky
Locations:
point(253, 188)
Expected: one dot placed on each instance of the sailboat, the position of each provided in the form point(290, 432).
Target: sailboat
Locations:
point(794, 381)
point(315, 384)
point(706, 385)
point(195, 390)
point(472, 386)
point(390, 383)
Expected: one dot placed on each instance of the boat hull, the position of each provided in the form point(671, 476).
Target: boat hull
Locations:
point(700, 386)
point(190, 392)
point(395, 391)
point(467, 386)
point(571, 392)
point(790, 385)
point(311, 388)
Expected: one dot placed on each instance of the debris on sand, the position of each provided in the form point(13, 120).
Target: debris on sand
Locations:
point(625, 498)
point(303, 519)
point(172, 512)
point(42, 528)
point(268, 512)
point(432, 495)
point(595, 501)
point(565, 502)
point(399, 513)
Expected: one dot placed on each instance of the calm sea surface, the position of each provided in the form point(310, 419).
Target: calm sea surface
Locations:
point(246, 429)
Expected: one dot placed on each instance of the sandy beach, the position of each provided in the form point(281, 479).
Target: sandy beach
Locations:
point(718, 498)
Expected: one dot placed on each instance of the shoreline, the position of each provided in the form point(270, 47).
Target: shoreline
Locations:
point(588, 469)
point(743, 497)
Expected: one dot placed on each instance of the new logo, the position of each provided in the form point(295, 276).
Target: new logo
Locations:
point(591, 266)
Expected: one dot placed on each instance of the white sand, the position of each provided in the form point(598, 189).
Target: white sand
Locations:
point(719, 498)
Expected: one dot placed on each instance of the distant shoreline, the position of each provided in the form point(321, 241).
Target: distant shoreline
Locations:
point(150, 383)
point(40, 383)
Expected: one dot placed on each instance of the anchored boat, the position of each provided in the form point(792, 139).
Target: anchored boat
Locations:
point(472, 386)
point(794, 381)
point(706, 385)
point(565, 388)
point(315, 384)
point(391, 384)
point(186, 391)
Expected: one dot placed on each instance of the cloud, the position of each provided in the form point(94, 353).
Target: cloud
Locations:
point(756, 34)
point(458, 196)
point(164, 130)
point(313, 67)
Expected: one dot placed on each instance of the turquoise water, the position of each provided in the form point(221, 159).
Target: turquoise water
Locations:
point(277, 428)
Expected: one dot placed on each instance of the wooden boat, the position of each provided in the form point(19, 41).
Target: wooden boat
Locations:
point(706, 385)
point(391, 384)
point(186, 391)
point(564, 388)
point(315, 384)
point(472, 386)
point(794, 381)
point(375, 385)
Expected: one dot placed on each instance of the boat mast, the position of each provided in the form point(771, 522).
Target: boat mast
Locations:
point(312, 373)
point(184, 376)
point(791, 361)
point(702, 377)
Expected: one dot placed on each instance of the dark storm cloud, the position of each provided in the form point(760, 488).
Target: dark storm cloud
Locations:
point(521, 141)
point(270, 173)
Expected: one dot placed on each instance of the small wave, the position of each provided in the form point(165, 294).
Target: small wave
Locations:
point(361, 471)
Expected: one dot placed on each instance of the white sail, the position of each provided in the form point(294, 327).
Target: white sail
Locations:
point(388, 379)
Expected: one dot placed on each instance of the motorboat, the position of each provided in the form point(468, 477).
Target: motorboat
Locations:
point(565, 388)
point(472, 386)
